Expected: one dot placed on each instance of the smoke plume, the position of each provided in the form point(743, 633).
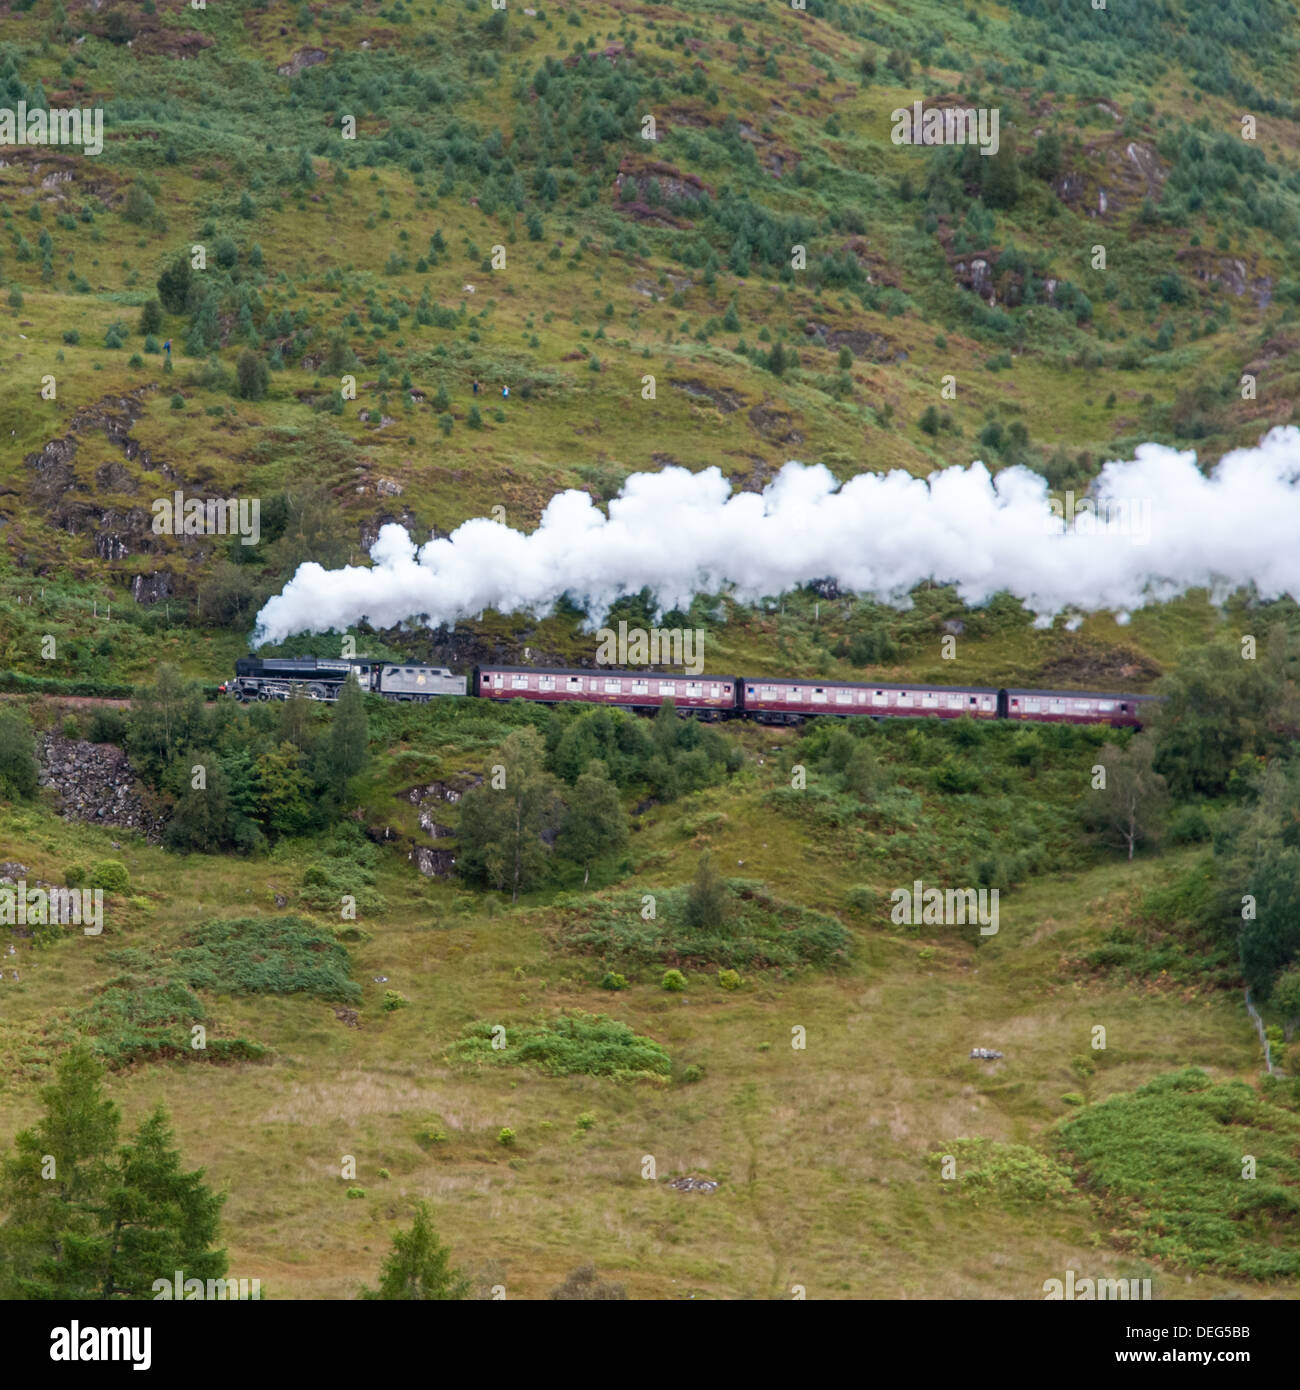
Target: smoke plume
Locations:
point(1153, 527)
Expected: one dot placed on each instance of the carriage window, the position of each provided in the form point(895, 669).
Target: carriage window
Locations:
point(954, 701)
point(1057, 706)
point(1032, 704)
point(640, 687)
point(929, 700)
point(575, 682)
point(546, 683)
point(668, 687)
point(1106, 706)
point(695, 687)
point(878, 697)
point(613, 687)
point(519, 682)
point(843, 697)
point(904, 698)
point(818, 693)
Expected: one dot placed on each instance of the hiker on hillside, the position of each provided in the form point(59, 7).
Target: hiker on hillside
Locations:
point(505, 393)
point(476, 388)
point(167, 348)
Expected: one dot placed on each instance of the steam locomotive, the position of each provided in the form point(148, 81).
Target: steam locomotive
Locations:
point(318, 678)
point(765, 699)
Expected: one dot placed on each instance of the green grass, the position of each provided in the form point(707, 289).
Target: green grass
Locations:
point(827, 1154)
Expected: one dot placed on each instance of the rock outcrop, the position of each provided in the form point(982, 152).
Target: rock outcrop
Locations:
point(95, 783)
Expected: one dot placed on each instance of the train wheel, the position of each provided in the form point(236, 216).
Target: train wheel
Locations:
point(263, 695)
point(317, 691)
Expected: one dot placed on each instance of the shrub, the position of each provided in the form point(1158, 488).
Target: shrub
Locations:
point(613, 980)
point(151, 318)
point(577, 1043)
point(692, 1073)
point(729, 979)
point(139, 206)
point(178, 402)
point(355, 1192)
point(861, 897)
point(673, 981)
point(75, 875)
point(584, 1284)
point(18, 770)
point(762, 932)
point(393, 1000)
point(1189, 825)
point(71, 337)
point(585, 1121)
point(111, 876)
point(506, 1137)
point(267, 955)
point(252, 376)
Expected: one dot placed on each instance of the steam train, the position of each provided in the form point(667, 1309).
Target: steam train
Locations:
point(765, 699)
point(318, 678)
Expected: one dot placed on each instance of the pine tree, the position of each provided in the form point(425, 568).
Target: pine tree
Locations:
point(418, 1268)
point(1001, 177)
point(151, 318)
point(90, 1219)
point(350, 734)
point(53, 1186)
point(157, 1218)
point(174, 286)
point(201, 819)
point(707, 899)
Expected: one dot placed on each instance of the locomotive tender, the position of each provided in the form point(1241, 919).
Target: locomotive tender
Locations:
point(765, 699)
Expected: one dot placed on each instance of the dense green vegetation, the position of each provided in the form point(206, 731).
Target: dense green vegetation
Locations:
point(1168, 1163)
point(594, 1046)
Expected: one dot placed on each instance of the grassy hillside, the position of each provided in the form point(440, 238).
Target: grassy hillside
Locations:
point(500, 218)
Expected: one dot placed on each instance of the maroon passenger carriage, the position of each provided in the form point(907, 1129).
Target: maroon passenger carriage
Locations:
point(1077, 707)
point(708, 696)
point(780, 700)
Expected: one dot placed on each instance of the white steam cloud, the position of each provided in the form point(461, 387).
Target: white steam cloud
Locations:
point(1157, 528)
